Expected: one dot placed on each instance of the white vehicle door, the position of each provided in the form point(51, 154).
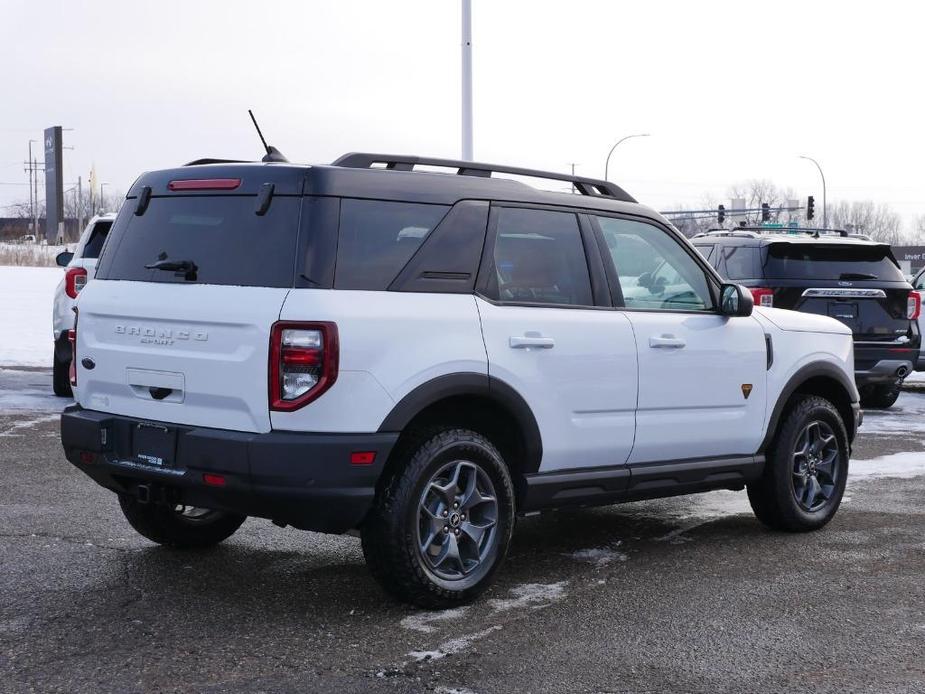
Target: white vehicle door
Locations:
point(548, 337)
point(702, 375)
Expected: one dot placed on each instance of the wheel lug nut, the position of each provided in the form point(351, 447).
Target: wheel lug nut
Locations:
point(456, 531)
point(462, 517)
point(446, 528)
point(456, 504)
point(446, 513)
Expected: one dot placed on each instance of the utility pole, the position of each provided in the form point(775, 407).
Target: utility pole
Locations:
point(32, 168)
point(77, 208)
point(29, 170)
point(466, 80)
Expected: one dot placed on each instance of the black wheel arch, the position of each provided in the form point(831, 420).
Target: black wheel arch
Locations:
point(478, 401)
point(825, 380)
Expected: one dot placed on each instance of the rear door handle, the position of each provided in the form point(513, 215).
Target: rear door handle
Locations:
point(666, 341)
point(521, 342)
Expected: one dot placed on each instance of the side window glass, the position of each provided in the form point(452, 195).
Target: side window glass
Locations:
point(378, 238)
point(740, 262)
point(920, 281)
point(654, 271)
point(539, 258)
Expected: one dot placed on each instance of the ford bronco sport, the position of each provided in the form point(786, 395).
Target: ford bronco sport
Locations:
point(422, 356)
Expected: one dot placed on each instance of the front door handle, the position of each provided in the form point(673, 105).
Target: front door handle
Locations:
point(522, 342)
point(666, 341)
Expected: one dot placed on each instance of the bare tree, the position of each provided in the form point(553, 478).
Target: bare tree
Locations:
point(880, 222)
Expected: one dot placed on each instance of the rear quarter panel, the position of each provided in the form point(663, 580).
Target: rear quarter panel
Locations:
point(390, 343)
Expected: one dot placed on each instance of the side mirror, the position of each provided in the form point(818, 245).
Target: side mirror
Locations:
point(63, 258)
point(735, 300)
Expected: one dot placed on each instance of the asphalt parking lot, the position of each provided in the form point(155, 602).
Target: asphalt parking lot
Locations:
point(680, 595)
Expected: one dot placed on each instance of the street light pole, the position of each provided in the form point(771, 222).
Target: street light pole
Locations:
point(622, 139)
point(101, 210)
point(466, 96)
point(825, 218)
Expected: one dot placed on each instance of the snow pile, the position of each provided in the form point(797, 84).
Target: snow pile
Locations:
point(531, 595)
point(26, 298)
point(423, 622)
point(453, 646)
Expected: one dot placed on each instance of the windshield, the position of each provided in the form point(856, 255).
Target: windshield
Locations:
point(831, 262)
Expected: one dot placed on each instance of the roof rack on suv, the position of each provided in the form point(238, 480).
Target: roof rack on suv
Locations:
point(209, 160)
point(745, 233)
point(397, 162)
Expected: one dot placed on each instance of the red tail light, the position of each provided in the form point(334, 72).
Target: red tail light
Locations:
point(913, 305)
point(763, 296)
point(303, 363)
point(75, 279)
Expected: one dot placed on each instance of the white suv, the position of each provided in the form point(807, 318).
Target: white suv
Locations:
point(79, 267)
point(422, 356)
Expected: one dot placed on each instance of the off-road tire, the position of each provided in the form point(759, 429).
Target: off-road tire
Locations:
point(772, 496)
point(389, 534)
point(164, 525)
point(880, 397)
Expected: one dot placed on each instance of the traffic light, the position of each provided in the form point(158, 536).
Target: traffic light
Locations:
point(720, 214)
point(810, 207)
point(765, 212)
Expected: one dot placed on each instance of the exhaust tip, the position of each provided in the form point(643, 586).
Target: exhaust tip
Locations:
point(902, 371)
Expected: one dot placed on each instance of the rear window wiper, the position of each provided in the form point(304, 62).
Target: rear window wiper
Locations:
point(856, 276)
point(187, 267)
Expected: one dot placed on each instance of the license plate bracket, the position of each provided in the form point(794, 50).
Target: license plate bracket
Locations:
point(154, 445)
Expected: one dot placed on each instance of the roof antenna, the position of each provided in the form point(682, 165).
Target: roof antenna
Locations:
point(272, 154)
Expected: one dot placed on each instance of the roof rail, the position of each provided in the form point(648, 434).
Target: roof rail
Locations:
point(743, 233)
point(397, 162)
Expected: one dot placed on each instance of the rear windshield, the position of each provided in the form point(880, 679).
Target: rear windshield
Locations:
point(222, 235)
point(831, 262)
point(97, 237)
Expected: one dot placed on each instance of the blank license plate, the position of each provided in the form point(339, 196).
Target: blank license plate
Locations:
point(154, 445)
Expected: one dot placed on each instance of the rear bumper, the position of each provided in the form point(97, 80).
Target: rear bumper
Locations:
point(301, 479)
point(883, 365)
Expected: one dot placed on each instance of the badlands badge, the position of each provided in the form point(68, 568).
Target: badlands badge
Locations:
point(746, 390)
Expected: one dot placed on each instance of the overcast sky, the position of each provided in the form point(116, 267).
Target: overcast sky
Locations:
point(728, 90)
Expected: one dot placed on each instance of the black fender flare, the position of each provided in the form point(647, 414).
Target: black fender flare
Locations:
point(481, 385)
point(802, 375)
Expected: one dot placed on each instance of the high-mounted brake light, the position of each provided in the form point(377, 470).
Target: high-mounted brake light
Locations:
point(205, 184)
point(913, 305)
point(763, 296)
point(75, 279)
point(303, 363)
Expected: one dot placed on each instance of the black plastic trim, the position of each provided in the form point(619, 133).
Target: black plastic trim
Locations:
point(793, 384)
point(301, 479)
point(622, 483)
point(475, 384)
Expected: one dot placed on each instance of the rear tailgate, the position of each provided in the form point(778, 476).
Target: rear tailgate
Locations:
point(857, 284)
point(180, 346)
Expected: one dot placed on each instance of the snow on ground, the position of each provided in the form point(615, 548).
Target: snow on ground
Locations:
point(27, 390)
point(903, 465)
point(907, 416)
point(26, 298)
point(30, 254)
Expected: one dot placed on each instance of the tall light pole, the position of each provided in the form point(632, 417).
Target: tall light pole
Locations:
point(466, 80)
point(622, 139)
point(101, 210)
point(825, 218)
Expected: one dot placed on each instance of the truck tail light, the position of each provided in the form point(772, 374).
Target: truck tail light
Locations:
point(72, 340)
point(913, 305)
point(75, 279)
point(763, 296)
point(303, 363)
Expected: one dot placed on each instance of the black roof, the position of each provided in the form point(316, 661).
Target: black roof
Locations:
point(351, 176)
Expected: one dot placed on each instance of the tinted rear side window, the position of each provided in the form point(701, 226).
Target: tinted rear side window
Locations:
point(376, 240)
point(222, 235)
point(97, 238)
point(739, 262)
point(831, 262)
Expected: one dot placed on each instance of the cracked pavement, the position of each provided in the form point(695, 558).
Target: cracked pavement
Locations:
point(688, 594)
